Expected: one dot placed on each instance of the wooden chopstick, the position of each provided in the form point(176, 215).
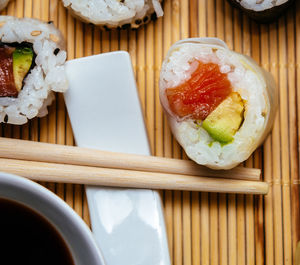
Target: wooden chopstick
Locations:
point(69, 164)
point(62, 154)
point(52, 172)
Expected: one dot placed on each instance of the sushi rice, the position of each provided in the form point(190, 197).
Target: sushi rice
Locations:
point(255, 86)
point(260, 5)
point(47, 75)
point(115, 13)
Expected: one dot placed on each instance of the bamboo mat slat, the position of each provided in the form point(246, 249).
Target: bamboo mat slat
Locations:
point(202, 228)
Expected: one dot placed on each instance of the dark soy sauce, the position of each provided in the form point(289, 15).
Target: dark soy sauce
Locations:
point(28, 238)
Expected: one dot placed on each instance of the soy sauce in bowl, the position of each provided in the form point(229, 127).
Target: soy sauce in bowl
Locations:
point(26, 237)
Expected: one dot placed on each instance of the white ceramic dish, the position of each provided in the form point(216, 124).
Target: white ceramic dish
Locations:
point(75, 232)
point(105, 113)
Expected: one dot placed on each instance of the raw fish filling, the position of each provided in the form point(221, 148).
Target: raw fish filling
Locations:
point(15, 63)
point(7, 88)
point(197, 97)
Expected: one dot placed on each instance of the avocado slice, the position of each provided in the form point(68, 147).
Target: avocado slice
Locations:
point(22, 60)
point(223, 122)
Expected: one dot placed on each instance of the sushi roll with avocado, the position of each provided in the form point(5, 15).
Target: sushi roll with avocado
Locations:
point(263, 11)
point(115, 13)
point(220, 104)
point(3, 4)
point(32, 57)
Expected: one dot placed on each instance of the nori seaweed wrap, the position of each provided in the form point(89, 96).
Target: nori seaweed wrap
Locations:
point(263, 11)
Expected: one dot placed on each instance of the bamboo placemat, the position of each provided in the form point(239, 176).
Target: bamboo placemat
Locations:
point(202, 228)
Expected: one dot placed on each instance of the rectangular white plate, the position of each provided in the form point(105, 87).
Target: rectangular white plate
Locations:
point(105, 113)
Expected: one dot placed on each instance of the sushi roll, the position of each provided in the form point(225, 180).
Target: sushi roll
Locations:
point(263, 11)
point(3, 4)
point(115, 13)
point(220, 104)
point(32, 57)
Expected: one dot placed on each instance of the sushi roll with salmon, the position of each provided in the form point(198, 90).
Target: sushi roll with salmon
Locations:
point(32, 57)
point(3, 4)
point(220, 104)
point(115, 13)
point(263, 11)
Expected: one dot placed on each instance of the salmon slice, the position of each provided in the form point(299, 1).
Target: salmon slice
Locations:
point(7, 83)
point(198, 96)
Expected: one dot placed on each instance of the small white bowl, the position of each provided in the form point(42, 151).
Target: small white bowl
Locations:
point(71, 227)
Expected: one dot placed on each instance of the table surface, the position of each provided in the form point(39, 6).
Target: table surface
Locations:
point(202, 228)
